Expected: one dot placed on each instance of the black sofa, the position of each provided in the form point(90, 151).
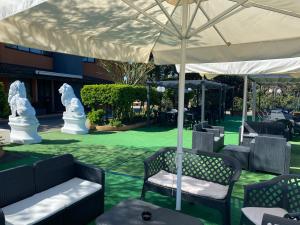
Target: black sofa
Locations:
point(59, 190)
point(272, 128)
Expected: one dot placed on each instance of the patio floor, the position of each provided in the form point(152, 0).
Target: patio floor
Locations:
point(121, 154)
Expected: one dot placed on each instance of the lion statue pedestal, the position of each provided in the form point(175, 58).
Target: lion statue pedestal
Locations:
point(74, 116)
point(73, 125)
point(24, 130)
point(22, 120)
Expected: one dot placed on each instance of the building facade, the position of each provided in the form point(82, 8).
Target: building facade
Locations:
point(44, 72)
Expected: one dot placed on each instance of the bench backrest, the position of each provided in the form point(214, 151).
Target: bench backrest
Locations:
point(53, 171)
point(282, 191)
point(16, 184)
point(207, 166)
point(276, 128)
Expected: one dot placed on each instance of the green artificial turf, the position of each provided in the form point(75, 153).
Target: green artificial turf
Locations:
point(121, 154)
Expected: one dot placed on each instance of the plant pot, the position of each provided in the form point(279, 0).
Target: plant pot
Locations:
point(74, 125)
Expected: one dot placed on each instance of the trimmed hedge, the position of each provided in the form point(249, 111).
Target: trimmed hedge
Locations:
point(118, 96)
point(4, 107)
point(96, 116)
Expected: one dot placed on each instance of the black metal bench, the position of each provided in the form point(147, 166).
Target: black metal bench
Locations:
point(279, 197)
point(217, 170)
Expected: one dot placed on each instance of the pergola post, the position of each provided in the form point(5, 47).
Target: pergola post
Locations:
point(203, 102)
point(148, 103)
point(224, 102)
point(244, 116)
point(220, 102)
point(253, 101)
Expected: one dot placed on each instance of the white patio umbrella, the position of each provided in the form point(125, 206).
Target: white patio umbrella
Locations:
point(174, 31)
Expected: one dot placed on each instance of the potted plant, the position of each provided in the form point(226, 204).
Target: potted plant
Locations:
point(237, 109)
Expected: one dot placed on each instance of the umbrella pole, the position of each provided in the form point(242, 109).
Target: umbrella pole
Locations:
point(203, 102)
point(244, 106)
point(181, 106)
point(253, 101)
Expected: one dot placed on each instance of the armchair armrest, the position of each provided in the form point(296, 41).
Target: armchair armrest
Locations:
point(154, 164)
point(2, 218)
point(216, 132)
point(220, 128)
point(275, 220)
point(90, 173)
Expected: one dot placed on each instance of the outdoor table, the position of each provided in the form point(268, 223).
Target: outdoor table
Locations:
point(239, 152)
point(129, 213)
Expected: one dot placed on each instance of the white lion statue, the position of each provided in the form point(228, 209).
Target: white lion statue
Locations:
point(73, 105)
point(18, 102)
point(22, 120)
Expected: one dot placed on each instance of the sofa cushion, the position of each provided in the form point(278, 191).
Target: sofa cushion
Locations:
point(255, 214)
point(47, 203)
point(191, 185)
point(16, 184)
point(53, 171)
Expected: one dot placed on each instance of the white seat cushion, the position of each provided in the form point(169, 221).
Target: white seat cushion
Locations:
point(255, 214)
point(190, 185)
point(44, 204)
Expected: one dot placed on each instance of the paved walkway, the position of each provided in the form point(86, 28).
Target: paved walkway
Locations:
point(47, 123)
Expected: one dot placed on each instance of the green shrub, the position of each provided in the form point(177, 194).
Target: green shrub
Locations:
point(115, 123)
point(237, 104)
point(96, 116)
point(118, 96)
point(4, 107)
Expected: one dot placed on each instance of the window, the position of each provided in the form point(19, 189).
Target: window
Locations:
point(25, 49)
point(88, 59)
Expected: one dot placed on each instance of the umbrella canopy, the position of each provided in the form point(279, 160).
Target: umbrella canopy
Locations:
point(261, 71)
point(243, 68)
point(174, 31)
point(125, 30)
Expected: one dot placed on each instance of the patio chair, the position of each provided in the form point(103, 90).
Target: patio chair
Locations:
point(207, 138)
point(270, 154)
point(278, 197)
point(207, 178)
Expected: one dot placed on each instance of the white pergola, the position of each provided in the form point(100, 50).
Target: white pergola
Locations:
point(271, 70)
point(204, 85)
